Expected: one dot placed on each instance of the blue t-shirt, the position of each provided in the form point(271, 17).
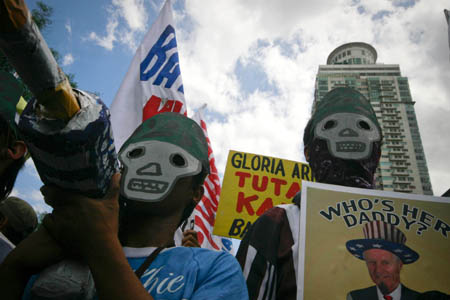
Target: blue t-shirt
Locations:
point(184, 273)
point(190, 273)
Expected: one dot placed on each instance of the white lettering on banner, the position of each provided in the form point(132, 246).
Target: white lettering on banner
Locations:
point(169, 284)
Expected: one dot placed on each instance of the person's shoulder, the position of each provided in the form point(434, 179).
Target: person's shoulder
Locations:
point(219, 273)
point(200, 255)
point(269, 224)
point(277, 214)
point(207, 254)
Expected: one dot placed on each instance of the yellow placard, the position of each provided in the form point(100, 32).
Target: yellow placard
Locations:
point(331, 216)
point(251, 185)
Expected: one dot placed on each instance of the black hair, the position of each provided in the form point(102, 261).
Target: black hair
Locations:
point(197, 182)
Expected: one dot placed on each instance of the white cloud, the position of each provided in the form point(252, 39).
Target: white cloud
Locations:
point(67, 60)
point(16, 193)
point(126, 22)
point(68, 27)
point(27, 187)
point(34, 198)
point(287, 41)
point(134, 13)
point(107, 41)
point(221, 33)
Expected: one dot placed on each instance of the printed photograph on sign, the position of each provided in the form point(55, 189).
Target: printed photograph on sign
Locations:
point(251, 185)
point(365, 244)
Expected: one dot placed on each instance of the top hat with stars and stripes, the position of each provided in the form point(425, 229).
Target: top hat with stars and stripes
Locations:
point(383, 236)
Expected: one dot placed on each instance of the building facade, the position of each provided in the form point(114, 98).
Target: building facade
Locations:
point(403, 166)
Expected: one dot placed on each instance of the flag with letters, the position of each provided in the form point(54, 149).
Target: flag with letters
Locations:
point(204, 215)
point(153, 82)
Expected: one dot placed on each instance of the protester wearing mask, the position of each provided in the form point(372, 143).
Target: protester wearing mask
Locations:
point(342, 144)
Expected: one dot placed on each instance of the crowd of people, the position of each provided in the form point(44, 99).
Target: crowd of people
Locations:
point(112, 237)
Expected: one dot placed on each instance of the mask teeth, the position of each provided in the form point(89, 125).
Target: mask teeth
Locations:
point(148, 186)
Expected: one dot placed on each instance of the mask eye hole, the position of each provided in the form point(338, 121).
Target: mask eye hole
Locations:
point(135, 153)
point(363, 125)
point(177, 160)
point(330, 124)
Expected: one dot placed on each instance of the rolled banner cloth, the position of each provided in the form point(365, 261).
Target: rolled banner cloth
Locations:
point(78, 155)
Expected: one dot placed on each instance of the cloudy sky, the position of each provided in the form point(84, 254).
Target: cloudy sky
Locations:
point(254, 63)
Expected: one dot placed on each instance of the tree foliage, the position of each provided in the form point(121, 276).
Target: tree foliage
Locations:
point(42, 17)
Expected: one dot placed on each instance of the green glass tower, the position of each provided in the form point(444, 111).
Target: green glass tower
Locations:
point(403, 166)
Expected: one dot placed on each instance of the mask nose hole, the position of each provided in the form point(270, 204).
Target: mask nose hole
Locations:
point(348, 132)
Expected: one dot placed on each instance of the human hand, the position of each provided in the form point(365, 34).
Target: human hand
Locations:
point(83, 225)
point(190, 239)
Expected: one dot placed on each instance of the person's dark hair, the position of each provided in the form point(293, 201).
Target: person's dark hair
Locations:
point(8, 178)
point(306, 135)
point(199, 179)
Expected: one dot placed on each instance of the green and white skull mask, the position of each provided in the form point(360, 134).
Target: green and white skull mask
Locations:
point(348, 135)
point(151, 168)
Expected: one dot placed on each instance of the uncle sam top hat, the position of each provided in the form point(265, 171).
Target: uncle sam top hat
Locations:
point(383, 236)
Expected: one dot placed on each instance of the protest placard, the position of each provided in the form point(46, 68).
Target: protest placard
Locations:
point(338, 224)
point(251, 185)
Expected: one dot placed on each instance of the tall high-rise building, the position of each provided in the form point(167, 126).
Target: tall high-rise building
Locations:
point(402, 167)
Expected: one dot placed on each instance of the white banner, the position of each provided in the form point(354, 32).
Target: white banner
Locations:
point(153, 83)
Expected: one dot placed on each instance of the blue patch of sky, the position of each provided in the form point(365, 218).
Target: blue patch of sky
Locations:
point(404, 3)
point(211, 115)
point(254, 77)
point(361, 9)
point(416, 36)
point(25, 184)
point(186, 24)
point(179, 5)
point(290, 48)
point(381, 14)
point(260, 43)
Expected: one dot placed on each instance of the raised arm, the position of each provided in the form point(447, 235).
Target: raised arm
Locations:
point(89, 228)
